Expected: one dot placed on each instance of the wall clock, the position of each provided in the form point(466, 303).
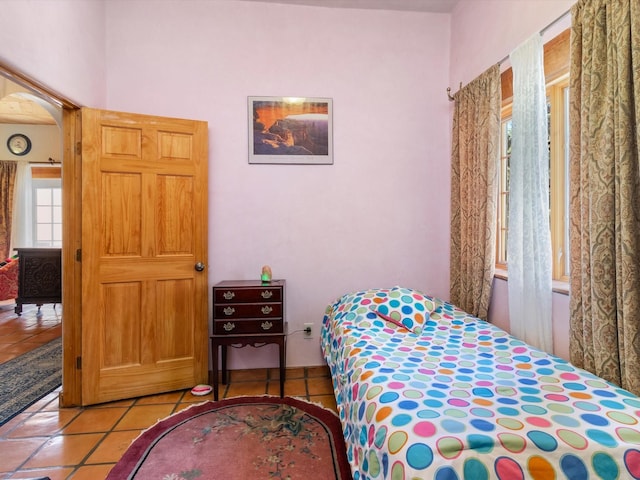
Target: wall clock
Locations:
point(19, 144)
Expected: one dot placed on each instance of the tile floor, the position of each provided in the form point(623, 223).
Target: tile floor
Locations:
point(85, 442)
point(21, 334)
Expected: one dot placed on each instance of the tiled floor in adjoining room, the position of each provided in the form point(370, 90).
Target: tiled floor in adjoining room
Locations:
point(83, 443)
point(22, 333)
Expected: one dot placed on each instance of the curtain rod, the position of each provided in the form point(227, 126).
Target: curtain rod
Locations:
point(542, 31)
point(51, 161)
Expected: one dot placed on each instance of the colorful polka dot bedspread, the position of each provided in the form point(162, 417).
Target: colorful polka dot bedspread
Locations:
point(427, 391)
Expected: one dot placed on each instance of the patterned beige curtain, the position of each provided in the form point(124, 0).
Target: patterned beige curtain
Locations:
point(7, 183)
point(605, 190)
point(474, 192)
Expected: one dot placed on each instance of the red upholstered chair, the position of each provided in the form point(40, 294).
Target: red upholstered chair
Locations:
point(9, 280)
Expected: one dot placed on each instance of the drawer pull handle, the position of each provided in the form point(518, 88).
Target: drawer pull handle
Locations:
point(228, 295)
point(267, 294)
point(266, 310)
point(267, 325)
point(229, 326)
point(229, 311)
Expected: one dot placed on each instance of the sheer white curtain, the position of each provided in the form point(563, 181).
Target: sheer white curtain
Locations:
point(22, 229)
point(529, 239)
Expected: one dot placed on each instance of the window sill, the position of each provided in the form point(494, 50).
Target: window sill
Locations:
point(559, 287)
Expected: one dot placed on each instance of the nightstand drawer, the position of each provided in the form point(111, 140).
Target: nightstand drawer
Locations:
point(243, 326)
point(247, 295)
point(247, 310)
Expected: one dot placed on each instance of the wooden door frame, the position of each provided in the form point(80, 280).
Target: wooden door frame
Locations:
point(71, 394)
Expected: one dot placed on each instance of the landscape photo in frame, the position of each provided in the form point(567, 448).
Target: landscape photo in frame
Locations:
point(290, 130)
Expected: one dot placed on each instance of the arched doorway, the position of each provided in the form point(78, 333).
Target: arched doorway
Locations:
point(65, 115)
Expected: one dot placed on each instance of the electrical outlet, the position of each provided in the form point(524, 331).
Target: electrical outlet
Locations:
point(308, 330)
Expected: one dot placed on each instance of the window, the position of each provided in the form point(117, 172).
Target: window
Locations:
point(556, 62)
point(558, 108)
point(503, 200)
point(47, 212)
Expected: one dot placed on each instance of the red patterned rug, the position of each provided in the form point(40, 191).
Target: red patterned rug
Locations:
point(240, 438)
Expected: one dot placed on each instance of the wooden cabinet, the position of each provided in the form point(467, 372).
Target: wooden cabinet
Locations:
point(247, 312)
point(39, 277)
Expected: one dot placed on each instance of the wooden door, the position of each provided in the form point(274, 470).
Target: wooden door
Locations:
point(144, 230)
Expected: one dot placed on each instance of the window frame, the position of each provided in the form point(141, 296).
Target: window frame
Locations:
point(45, 183)
point(503, 194)
point(559, 177)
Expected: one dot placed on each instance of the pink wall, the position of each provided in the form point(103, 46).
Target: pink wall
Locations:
point(60, 43)
point(483, 32)
point(379, 216)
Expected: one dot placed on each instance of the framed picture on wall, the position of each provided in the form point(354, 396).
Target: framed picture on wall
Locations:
point(291, 130)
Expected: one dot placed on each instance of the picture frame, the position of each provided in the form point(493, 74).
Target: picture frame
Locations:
point(290, 130)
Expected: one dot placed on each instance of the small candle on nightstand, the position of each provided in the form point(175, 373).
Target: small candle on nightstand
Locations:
point(266, 274)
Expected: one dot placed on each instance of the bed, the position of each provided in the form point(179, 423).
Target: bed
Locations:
point(427, 391)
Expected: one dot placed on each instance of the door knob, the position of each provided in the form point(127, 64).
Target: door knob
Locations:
point(199, 266)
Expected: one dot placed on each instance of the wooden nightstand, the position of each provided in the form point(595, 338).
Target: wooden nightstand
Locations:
point(247, 312)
